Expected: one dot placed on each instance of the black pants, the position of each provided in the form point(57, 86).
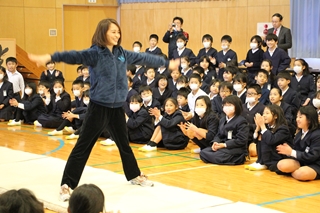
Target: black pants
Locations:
point(99, 118)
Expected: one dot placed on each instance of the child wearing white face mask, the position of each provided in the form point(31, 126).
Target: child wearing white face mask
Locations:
point(186, 70)
point(136, 46)
point(60, 102)
point(229, 146)
point(254, 57)
point(207, 49)
point(316, 103)
point(29, 108)
point(6, 92)
point(182, 50)
point(203, 126)
point(239, 86)
point(139, 123)
point(303, 82)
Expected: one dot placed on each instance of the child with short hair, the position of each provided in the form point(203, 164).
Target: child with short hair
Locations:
point(254, 57)
point(51, 74)
point(214, 88)
point(79, 73)
point(86, 86)
point(182, 98)
point(161, 90)
point(182, 50)
point(150, 74)
point(77, 90)
point(203, 126)
point(279, 57)
point(303, 81)
point(229, 145)
point(131, 92)
point(209, 70)
point(262, 80)
point(175, 74)
point(15, 78)
point(316, 103)
point(225, 89)
point(85, 75)
point(131, 72)
point(226, 56)
point(195, 84)
point(163, 69)
point(6, 93)
point(139, 123)
point(136, 46)
point(29, 108)
point(186, 70)
point(239, 86)
point(207, 49)
point(154, 49)
point(204, 85)
point(229, 72)
point(182, 81)
point(167, 133)
point(148, 100)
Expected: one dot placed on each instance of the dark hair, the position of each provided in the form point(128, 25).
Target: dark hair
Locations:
point(256, 87)
point(235, 101)
point(208, 37)
point(58, 81)
point(312, 116)
point(50, 62)
point(178, 18)
point(173, 100)
point(272, 36)
point(277, 111)
point(86, 83)
point(181, 36)
point(198, 69)
point(87, 198)
point(164, 56)
point(214, 81)
point(182, 79)
point(265, 72)
point(144, 88)
point(306, 70)
point(185, 58)
point(267, 60)
point(258, 39)
point(208, 111)
point(278, 90)
point(196, 76)
point(226, 38)
point(99, 37)
point(33, 86)
point(80, 82)
point(79, 68)
point(21, 201)
point(183, 92)
point(46, 84)
point(137, 42)
point(278, 15)
point(136, 97)
point(129, 79)
point(206, 57)
point(159, 77)
point(231, 69)
point(5, 77)
point(84, 67)
point(11, 59)
point(240, 77)
point(86, 94)
point(317, 93)
point(225, 84)
point(132, 68)
point(284, 74)
point(155, 36)
point(149, 68)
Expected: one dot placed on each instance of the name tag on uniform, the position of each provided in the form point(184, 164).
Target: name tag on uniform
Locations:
point(229, 135)
point(4, 92)
point(307, 149)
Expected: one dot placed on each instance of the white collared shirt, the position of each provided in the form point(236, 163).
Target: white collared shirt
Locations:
point(298, 78)
point(284, 91)
point(149, 82)
point(271, 52)
point(17, 81)
point(192, 99)
point(243, 91)
point(255, 50)
point(228, 119)
point(180, 51)
point(152, 49)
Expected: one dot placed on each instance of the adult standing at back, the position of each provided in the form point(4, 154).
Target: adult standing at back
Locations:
point(283, 33)
point(170, 37)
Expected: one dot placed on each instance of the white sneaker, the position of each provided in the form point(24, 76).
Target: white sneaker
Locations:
point(14, 123)
point(107, 142)
point(148, 148)
point(55, 132)
point(257, 167)
point(196, 151)
point(142, 180)
point(69, 129)
point(72, 136)
point(249, 165)
point(36, 123)
point(65, 193)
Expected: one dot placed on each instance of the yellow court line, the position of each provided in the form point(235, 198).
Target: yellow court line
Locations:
point(181, 170)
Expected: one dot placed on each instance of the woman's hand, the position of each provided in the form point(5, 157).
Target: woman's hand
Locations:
point(174, 64)
point(40, 60)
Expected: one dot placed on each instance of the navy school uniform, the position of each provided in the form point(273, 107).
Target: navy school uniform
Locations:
point(187, 73)
point(216, 105)
point(185, 108)
point(290, 97)
point(126, 104)
point(164, 72)
point(205, 87)
point(6, 93)
point(54, 118)
point(161, 97)
point(229, 57)
point(212, 52)
point(76, 123)
point(77, 102)
point(267, 148)
point(172, 85)
point(140, 74)
point(256, 58)
point(33, 108)
point(248, 114)
point(151, 85)
point(156, 51)
point(242, 97)
point(171, 39)
point(210, 123)
point(264, 99)
point(140, 126)
point(235, 135)
point(280, 60)
point(287, 111)
point(186, 52)
point(136, 83)
point(87, 80)
point(305, 87)
point(209, 76)
point(51, 77)
point(154, 103)
point(172, 136)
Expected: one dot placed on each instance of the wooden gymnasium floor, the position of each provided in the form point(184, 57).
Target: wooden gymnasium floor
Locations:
point(182, 169)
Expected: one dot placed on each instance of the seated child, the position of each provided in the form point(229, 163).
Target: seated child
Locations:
point(207, 49)
point(262, 79)
point(131, 92)
point(228, 73)
point(167, 133)
point(182, 81)
point(274, 131)
point(186, 70)
point(79, 73)
point(194, 84)
point(203, 126)
point(318, 83)
point(163, 69)
point(303, 162)
point(51, 74)
point(6, 93)
point(267, 65)
point(175, 74)
point(204, 85)
point(148, 100)
point(150, 74)
point(85, 77)
point(214, 88)
point(139, 123)
point(225, 89)
point(131, 72)
point(77, 89)
point(60, 102)
point(29, 108)
point(161, 90)
point(182, 98)
point(86, 86)
point(229, 145)
point(154, 49)
point(136, 46)
point(239, 86)
point(182, 50)
point(209, 69)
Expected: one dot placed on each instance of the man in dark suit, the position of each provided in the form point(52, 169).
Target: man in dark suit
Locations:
point(283, 33)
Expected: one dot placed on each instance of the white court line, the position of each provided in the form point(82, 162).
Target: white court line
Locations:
point(181, 170)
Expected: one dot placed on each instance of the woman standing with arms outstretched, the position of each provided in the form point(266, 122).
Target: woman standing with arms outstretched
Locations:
point(108, 62)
